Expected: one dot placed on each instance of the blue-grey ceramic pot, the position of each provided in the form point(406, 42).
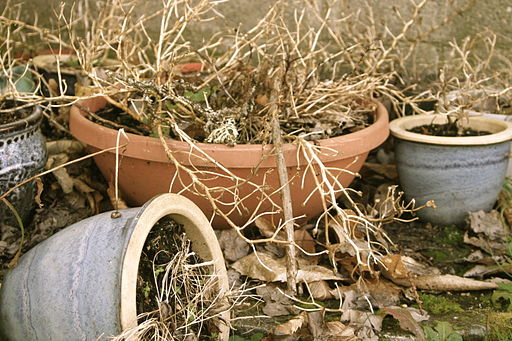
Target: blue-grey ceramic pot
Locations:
point(80, 284)
point(461, 174)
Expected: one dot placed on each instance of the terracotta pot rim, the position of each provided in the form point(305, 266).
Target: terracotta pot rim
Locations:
point(32, 120)
point(501, 130)
point(343, 146)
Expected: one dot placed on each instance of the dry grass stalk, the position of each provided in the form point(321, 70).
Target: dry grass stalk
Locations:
point(469, 80)
point(291, 260)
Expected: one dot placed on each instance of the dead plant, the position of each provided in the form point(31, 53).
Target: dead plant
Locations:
point(471, 79)
point(317, 89)
point(187, 301)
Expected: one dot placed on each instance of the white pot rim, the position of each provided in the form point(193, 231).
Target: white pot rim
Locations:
point(501, 130)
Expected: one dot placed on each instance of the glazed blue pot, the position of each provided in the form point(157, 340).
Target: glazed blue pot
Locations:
point(461, 174)
point(80, 284)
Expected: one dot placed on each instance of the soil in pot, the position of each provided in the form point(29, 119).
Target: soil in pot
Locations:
point(235, 109)
point(451, 128)
point(115, 118)
point(173, 284)
point(8, 116)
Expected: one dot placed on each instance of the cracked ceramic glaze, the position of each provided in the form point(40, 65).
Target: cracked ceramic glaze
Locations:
point(22, 155)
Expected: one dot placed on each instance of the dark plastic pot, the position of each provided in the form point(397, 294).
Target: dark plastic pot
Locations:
point(461, 174)
point(80, 284)
point(22, 155)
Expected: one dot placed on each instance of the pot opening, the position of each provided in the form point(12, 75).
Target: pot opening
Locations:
point(176, 289)
point(13, 111)
point(453, 128)
point(229, 126)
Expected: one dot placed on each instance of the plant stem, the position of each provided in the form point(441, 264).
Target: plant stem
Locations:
point(291, 261)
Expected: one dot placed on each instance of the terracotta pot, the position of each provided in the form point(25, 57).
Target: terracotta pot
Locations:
point(461, 174)
point(81, 283)
point(146, 171)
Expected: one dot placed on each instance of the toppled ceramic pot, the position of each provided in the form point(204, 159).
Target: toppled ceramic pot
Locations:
point(81, 283)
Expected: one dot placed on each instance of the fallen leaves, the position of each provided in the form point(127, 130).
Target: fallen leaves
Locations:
point(266, 267)
point(232, 245)
point(408, 319)
point(59, 153)
point(487, 224)
point(312, 324)
point(396, 270)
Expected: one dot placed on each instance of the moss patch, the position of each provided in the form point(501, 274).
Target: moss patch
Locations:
point(499, 326)
point(438, 305)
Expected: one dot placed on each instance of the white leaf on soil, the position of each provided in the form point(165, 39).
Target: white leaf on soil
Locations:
point(487, 223)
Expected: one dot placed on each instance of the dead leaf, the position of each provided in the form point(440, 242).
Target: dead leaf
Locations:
point(337, 331)
point(232, 245)
point(320, 290)
point(316, 323)
point(382, 293)
point(262, 99)
point(475, 257)
point(276, 303)
point(417, 268)
point(397, 267)
point(84, 91)
point(488, 224)
point(265, 267)
point(290, 327)
point(366, 323)
point(275, 249)
point(489, 246)
point(346, 225)
point(118, 204)
point(82, 187)
point(273, 309)
point(39, 191)
point(389, 170)
point(61, 174)
point(272, 293)
point(481, 271)
point(305, 241)
point(64, 180)
point(266, 228)
point(445, 283)
point(64, 146)
point(393, 267)
point(406, 321)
